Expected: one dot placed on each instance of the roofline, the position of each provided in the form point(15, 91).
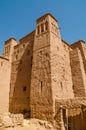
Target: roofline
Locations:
point(27, 35)
point(23, 38)
point(4, 58)
point(45, 16)
point(78, 42)
point(65, 42)
point(10, 39)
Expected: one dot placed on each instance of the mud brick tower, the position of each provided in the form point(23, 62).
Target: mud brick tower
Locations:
point(45, 76)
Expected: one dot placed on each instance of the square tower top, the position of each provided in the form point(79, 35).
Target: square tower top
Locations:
point(44, 16)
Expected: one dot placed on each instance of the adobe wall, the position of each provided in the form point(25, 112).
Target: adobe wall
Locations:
point(9, 48)
point(41, 103)
point(78, 73)
point(82, 47)
point(60, 69)
point(21, 75)
point(83, 52)
point(4, 84)
point(41, 91)
point(44, 70)
point(5, 72)
point(51, 71)
point(46, 75)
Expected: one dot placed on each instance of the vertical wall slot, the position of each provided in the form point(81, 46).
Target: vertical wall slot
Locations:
point(61, 84)
point(41, 86)
point(46, 25)
point(38, 29)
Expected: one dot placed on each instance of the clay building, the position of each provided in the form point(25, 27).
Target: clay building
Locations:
point(46, 76)
point(5, 73)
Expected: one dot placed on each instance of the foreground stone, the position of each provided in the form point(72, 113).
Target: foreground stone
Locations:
point(10, 121)
point(38, 124)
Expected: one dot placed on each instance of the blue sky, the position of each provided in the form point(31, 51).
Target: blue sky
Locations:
point(18, 18)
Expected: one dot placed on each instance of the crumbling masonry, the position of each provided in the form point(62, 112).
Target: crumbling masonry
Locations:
point(46, 76)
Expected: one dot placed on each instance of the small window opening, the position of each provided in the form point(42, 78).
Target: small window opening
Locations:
point(24, 88)
point(9, 47)
point(73, 86)
point(1, 63)
point(20, 69)
point(61, 84)
point(31, 64)
point(17, 51)
point(20, 61)
point(46, 25)
point(40, 52)
point(28, 52)
point(6, 50)
point(14, 89)
point(38, 30)
point(41, 85)
point(23, 45)
point(31, 60)
point(57, 48)
point(16, 68)
point(47, 55)
point(16, 57)
point(28, 97)
point(42, 28)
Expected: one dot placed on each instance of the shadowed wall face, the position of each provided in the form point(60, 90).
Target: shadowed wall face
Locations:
point(21, 76)
point(78, 73)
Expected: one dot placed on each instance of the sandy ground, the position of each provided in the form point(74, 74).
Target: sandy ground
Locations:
point(31, 127)
point(32, 124)
point(27, 127)
point(17, 128)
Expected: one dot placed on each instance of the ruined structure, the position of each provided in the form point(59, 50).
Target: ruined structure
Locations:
point(46, 76)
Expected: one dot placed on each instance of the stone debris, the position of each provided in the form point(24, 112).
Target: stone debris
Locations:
point(37, 124)
point(11, 120)
point(45, 124)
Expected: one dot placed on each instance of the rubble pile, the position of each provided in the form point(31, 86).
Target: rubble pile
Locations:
point(11, 120)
